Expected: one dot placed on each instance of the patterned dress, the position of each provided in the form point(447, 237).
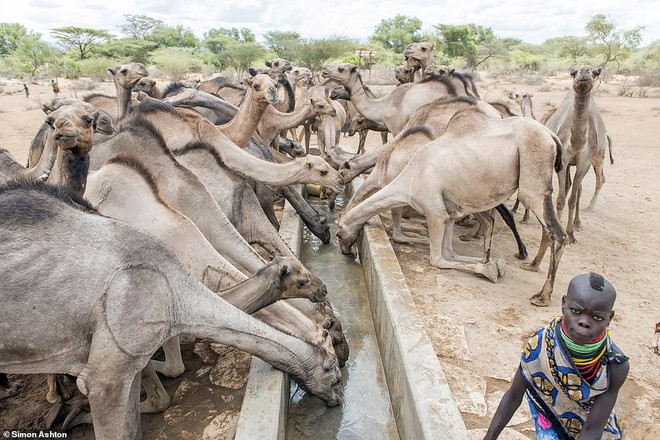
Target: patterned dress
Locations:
point(559, 398)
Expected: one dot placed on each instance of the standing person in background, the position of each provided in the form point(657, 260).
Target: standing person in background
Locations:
point(570, 371)
point(26, 90)
point(55, 86)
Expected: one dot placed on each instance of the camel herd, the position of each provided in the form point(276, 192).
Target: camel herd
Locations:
point(149, 215)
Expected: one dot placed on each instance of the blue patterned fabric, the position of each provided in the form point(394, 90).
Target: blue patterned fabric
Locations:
point(560, 398)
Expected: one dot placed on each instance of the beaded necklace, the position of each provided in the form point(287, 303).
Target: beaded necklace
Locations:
point(586, 357)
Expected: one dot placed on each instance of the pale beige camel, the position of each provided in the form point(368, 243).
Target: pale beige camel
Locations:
point(418, 56)
point(124, 77)
point(225, 88)
point(136, 299)
point(503, 155)
point(273, 122)
point(181, 126)
point(579, 125)
point(395, 108)
point(301, 78)
point(404, 74)
point(438, 70)
point(427, 124)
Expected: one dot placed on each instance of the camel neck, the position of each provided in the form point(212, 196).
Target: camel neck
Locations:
point(253, 294)
point(372, 109)
point(123, 100)
point(243, 126)
point(71, 169)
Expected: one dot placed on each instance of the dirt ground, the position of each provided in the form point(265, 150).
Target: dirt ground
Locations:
point(478, 328)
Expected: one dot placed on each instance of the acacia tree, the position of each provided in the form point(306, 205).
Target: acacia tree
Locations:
point(474, 43)
point(84, 40)
point(11, 35)
point(284, 44)
point(173, 36)
point(398, 32)
point(615, 45)
point(138, 27)
point(314, 54)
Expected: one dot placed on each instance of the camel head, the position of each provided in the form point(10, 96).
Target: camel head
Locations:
point(584, 78)
point(279, 65)
point(345, 237)
point(358, 123)
point(146, 85)
point(319, 97)
point(341, 72)
point(302, 76)
point(519, 97)
point(74, 126)
point(295, 281)
point(127, 75)
point(263, 87)
point(403, 74)
point(438, 70)
point(418, 55)
point(318, 171)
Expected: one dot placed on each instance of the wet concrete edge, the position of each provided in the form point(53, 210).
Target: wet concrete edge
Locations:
point(423, 404)
point(266, 399)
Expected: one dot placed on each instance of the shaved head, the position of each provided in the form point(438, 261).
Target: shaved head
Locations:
point(592, 287)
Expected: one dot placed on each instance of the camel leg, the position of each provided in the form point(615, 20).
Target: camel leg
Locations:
point(58, 391)
point(113, 392)
point(577, 223)
point(173, 364)
point(556, 234)
point(597, 163)
point(308, 137)
point(383, 136)
point(511, 223)
point(572, 201)
point(397, 232)
point(561, 190)
point(157, 398)
point(362, 140)
point(7, 389)
point(441, 230)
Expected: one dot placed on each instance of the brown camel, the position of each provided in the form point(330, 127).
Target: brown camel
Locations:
point(138, 298)
point(418, 56)
point(503, 155)
point(395, 108)
point(579, 125)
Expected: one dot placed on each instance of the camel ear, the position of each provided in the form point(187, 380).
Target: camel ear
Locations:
point(353, 67)
point(269, 63)
point(573, 73)
point(111, 70)
point(432, 45)
point(247, 82)
point(103, 123)
point(597, 72)
point(452, 71)
point(252, 72)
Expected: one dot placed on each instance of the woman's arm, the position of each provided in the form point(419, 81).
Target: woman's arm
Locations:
point(507, 407)
point(603, 403)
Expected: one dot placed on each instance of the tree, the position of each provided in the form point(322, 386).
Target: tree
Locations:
point(138, 27)
point(242, 35)
point(173, 36)
point(398, 32)
point(11, 35)
point(467, 41)
point(314, 54)
point(176, 61)
point(128, 49)
point(241, 56)
point(570, 47)
point(284, 44)
point(84, 40)
point(615, 45)
point(32, 53)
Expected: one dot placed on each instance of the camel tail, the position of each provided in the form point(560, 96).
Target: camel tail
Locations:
point(609, 146)
point(558, 157)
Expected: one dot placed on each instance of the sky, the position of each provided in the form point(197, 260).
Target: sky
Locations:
point(532, 21)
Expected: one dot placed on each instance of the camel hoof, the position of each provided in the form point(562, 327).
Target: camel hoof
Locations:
point(539, 301)
point(488, 270)
point(529, 267)
point(521, 255)
point(571, 239)
point(10, 391)
point(501, 267)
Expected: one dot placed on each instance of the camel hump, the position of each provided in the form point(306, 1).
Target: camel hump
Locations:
point(136, 294)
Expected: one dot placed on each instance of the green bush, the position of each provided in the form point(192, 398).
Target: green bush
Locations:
point(96, 68)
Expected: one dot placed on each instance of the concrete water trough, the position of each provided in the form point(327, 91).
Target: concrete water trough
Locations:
point(419, 403)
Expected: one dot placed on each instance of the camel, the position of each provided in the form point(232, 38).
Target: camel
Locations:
point(231, 91)
point(418, 56)
point(140, 297)
point(404, 74)
point(395, 108)
point(579, 125)
point(360, 124)
point(427, 124)
point(273, 121)
point(302, 79)
point(503, 155)
point(124, 78)
point(438, 70)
